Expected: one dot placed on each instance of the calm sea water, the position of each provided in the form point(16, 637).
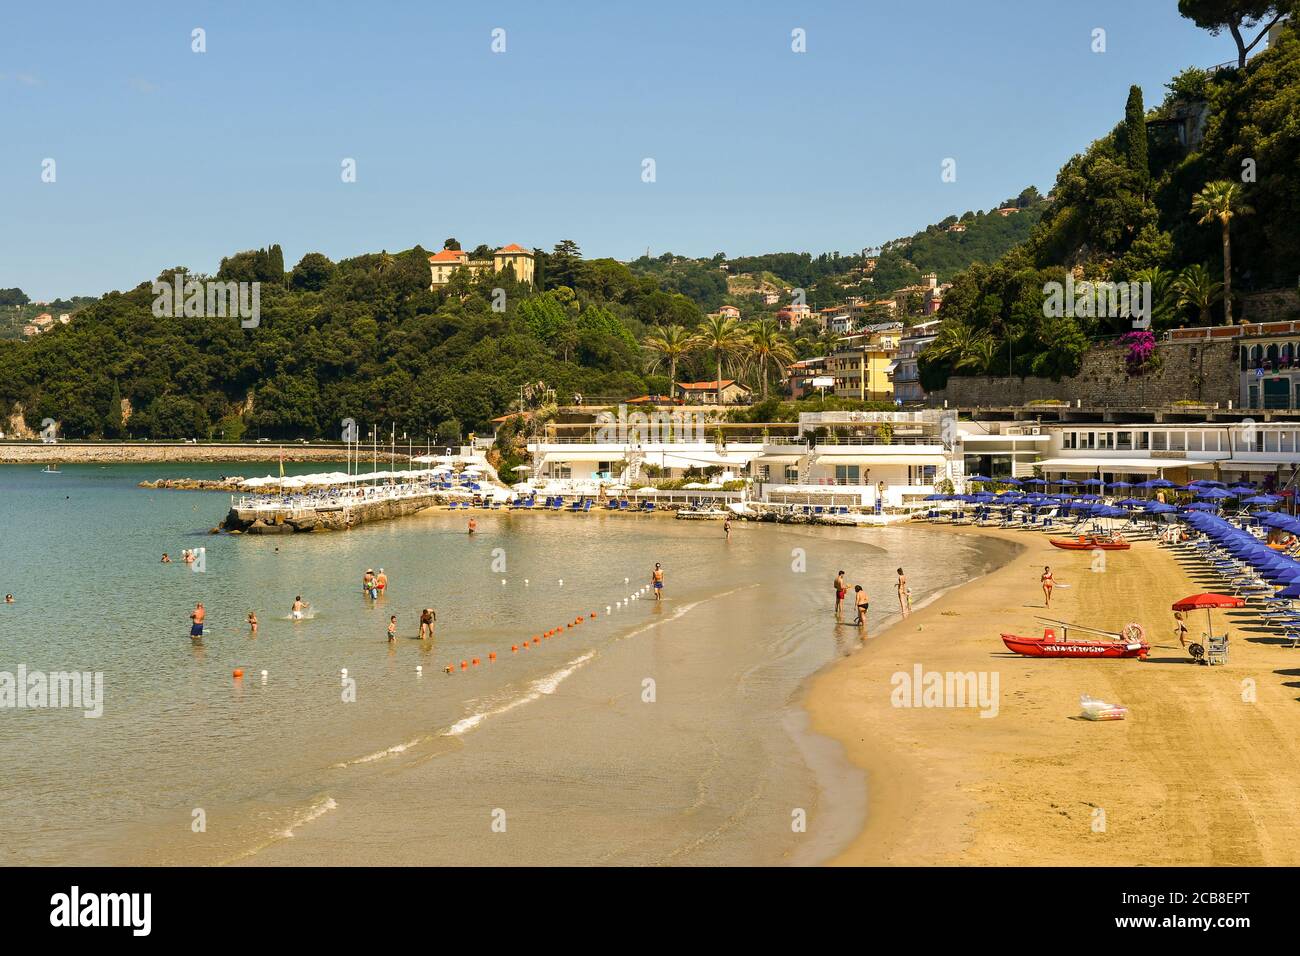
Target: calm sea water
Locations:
point(659, 733)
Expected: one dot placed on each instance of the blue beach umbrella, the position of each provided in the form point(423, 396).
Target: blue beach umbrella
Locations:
point(1213, 493)
point(1035, 481)
point(978, 478)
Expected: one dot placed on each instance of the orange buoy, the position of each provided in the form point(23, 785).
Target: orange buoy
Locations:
point(238, 673)
point(514, 648)
point(464, 666)
point(593, 615)
point(448, 669)
point(492, 656)
point(537, 640)
point(474, 662)
point(524, 645)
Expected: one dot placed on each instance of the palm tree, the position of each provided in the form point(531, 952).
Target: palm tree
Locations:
point(961, 346)
point(1197, 288)
point(385, 262)
point(1163, 294)
point(670, 343)
point(1219, 202)
point(766, 343)
point(725, 339)
point(980, 355)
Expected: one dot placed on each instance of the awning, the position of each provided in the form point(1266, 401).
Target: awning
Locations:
point(968, 439)
point(1264, 466)
point(829, 460)
point(1120, 464)
point(699, 459)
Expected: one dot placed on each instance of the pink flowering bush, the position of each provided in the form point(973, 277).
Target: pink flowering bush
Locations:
point(1141, 347)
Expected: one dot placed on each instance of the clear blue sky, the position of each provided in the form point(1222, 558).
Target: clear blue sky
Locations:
point(167, 157)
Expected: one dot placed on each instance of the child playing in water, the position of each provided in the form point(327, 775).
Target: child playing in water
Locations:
point(392, 629)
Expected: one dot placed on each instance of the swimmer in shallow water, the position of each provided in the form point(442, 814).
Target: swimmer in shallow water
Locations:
point(299, 609)
point(473, 525)
point(392, 628)
point(252, 622)
point(9, 599)
point(196, 622)
point(165, 559)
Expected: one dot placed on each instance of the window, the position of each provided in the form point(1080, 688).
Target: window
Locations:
point(846, 474)
point(1106, 440)
point(1159, 441)
point(792, 474)
point(1071, 439)
point(1124, 441)
point(1194, 441)
point(1177, 441)
point(1143, 441)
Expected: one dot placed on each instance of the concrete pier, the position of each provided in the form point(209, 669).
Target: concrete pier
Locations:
point(328, 517)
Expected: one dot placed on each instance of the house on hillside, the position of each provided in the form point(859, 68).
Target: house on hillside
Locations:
point(443, 264)
point(708, 393)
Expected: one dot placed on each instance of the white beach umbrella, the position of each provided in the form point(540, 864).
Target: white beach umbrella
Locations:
point(293, 483)
point(694, 486)
point(647, 490)
point(522, 468)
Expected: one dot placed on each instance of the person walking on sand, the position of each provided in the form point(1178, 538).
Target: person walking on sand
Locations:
point(392, 628)
point(427, 617)
point(904, 594)
point(1180, 628)
point(860, 598)
point(197, 617)
point(1048, 582)
point(841, 591)
point(657, 579)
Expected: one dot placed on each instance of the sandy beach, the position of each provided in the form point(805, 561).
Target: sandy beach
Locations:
point(1203, 771)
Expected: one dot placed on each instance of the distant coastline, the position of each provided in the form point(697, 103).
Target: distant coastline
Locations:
point(107, 452)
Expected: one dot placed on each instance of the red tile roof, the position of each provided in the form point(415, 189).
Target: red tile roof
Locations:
point(512, 248)
point(709, 386)
point(449, 255)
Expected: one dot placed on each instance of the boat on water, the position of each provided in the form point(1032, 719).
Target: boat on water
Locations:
point(51, 470)
point(1130, 642)
point(1091, 542)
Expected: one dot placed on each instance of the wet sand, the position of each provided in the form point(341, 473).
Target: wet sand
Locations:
point(1199, 773)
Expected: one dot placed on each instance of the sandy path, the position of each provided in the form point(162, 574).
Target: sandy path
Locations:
point(1196, 775)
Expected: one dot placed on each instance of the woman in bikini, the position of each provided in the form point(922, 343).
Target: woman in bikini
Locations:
point(904, 600)
point(1048, 583)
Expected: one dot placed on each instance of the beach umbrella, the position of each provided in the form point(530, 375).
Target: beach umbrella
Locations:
point(1212, 493)
point(1035, 481)
point(978, 478)
point(1010, 481)
point(1120, 484)
point(1209, 602)
point(522, 468)
point(1158, 507)
point(1092, 481)
point(1261, 500)
point(1156, 483)
point(1065, 482)
point(1131, 502)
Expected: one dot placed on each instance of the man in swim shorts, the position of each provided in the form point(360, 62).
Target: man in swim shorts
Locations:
point(841, 589)
point(299, 608)
point(196, 621)
point(657, 579)
point(381, 581)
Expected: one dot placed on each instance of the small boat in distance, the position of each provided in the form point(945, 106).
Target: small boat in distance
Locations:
point(51, 470)
point(1130, 643)
point(1091, 542)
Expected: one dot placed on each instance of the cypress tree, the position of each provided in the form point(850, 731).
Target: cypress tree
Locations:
point(1135, 136)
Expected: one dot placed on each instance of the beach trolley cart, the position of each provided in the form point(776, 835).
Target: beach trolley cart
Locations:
point(1215, 648)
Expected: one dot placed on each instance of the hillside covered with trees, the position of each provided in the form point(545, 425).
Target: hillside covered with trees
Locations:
point(1199, 196)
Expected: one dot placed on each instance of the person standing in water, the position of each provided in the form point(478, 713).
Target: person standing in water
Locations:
point(657, 579)
point(726, 527)
point(904, 594)
point(427, 617)
point(862, 602)
point(473, 525)
point(252, 623)
point(299, 608)
point(368, 583)
point(392, 628)
point(1048, 582)
point(841, 591)
point(197, 617)
point(381, 581)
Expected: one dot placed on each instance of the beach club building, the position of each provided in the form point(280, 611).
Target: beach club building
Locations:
point(849, 458)
point(1266, 453)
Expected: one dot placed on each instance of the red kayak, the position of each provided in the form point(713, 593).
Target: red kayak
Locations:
point(1128, 644)
point(1090, 542)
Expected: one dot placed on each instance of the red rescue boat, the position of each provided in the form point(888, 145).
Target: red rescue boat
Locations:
point(1091, 542)
point(1129, 643)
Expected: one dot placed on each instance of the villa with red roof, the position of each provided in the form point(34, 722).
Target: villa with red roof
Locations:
point(707, 393)
point(443, 264)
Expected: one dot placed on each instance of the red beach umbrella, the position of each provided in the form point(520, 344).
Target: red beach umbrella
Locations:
point(1208, 601)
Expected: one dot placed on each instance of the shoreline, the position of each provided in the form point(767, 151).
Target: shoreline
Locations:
point(1195, 776)
point(163, 452)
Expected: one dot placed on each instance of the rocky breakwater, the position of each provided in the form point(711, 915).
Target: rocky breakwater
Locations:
point(195, 484)
point(339, 517)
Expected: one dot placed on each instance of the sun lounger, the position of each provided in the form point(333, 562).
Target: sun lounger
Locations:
point(1216, 649)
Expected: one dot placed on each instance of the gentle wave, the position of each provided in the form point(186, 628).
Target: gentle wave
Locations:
point(543, 685)
point(317, 810)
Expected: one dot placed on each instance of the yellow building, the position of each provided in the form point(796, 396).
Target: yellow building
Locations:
point(861, 364)
point(443, 264)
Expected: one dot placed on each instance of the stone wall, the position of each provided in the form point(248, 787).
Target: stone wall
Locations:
point(1272, 305)
point(1189, 371)
point(110, 452)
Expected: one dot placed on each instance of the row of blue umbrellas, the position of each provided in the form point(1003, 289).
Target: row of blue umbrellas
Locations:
point(1276, 568)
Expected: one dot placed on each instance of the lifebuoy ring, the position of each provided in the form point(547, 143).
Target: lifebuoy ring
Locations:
point(1133, 633)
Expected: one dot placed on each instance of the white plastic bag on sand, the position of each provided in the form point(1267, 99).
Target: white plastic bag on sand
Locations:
point(1094, 709)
